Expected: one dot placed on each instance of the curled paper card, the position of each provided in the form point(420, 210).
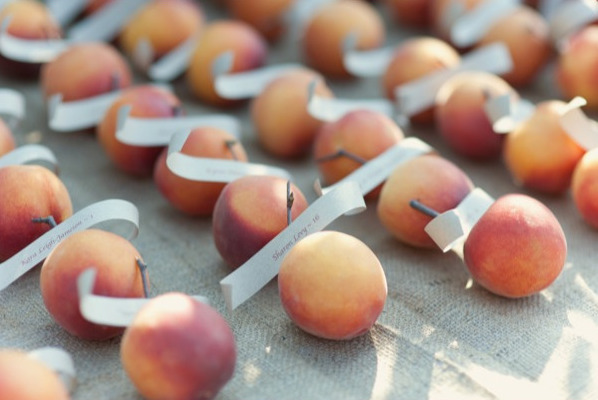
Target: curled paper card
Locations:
point(376, 170)
point(38, 250)
point(452, 12)
point(59, 361)
point(106, 310)
point(569, 17)
point(250, 277)
point(506, 112)
point(331, 109)
point(299, 14)
point(12, 103)
point(174, 63)
point(212, 169)
point(28, 50)
point(29, 154)
point(365, 63)
point(159, 131)
point(578, 126)
point(65, 12)
point(452, 227)
point(420, 94)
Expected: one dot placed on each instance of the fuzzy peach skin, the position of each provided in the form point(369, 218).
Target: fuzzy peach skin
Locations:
point(165, 24)
point(27, 192)
point(363, 133)
point(279, 113)
point(118, 275)
point(517, 248)
point(413, 59)
point(539, 154)
point(7, 140)
point(432, 180)
point(249, 52)
point(410, 12)
point(75, 77)
point(584, 187)
point(526, 34)
point(146, 102)
point(249, 213)
point(325, 32)
point(264, 15)
point(332, 285)
point(197, 197)
point(22, 377)
point(577, 66)
point(178, 348)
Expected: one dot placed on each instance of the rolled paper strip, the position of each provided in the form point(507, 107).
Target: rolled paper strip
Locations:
point(299, 14)
point(143, 55)
point(12, 103)
point(106, 23)
point(59, 361)
point(212, 169)
point(506, 112)
point(376, 170)
point(569, 17)
point(111, 311)
point(452, 12)
point(249, 278)
point(65, 12)
point(471, 26)
point(158, 131)
point(30, 154)
point(174, 63)
point(29, 50)
point(578, 126)
point(365, 63)
point(420, 94)
point(451, 227)
point(96, 213)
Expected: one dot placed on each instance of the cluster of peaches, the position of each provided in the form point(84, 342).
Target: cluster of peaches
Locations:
point(331, 284)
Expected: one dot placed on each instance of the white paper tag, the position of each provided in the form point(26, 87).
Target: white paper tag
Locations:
point(420, 94)
point(569, 17)
point(300, 12)
point(64, 12)
point(453, 10)
point(12, 103)
point(28, 50)
point(548, 7)
point(30, 154)
point(506, 112)
point(578, 126)
point(174, 63)
point(451, 227)
point(59, 361)
point(367, 63)
point(332, 109)
point(213, 169)
point(376, 170)
point(470, 27)
point(38, 250)
point(106, 23)
point(250, 277)
point(158, 131)
point(111, 311)
point(143, 54)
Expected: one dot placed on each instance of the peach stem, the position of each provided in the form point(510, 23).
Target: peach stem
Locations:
point(290, 201)
point(143, 268)
point(423, 208)
point(342, 153)
point(45, 220)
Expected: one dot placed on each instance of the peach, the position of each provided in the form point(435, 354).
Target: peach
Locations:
point(332, 285)
point(430, 179)
point(461, 117)
point(22, 377)
point(413, 59)
point(577, 66)
point(28, 192)
point(7, 140)
point(118, 275)
point(442, 15)
point(195, 197)
point(248, 47)
point(411, 12)
point(178, 348)
point(250, 212)
point(266, 16)
point(584, 187)
point(165, 24)
point(95, 5)
point(342, 146)
point(526, 34)
point(324, 34)
point(517, 248)
point(147, 102)
point(284, 127)
point(72, 75)
point(539, 154)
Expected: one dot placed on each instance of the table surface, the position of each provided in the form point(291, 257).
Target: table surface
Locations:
point(436, 338)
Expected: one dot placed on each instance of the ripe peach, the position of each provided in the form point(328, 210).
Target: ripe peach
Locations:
point(118, 275)
point(195, 197)
point(516, 248)
point(249, 51)
point(7, 140)
point(539, 154)
point(584, 187)
point(411, 12)
point(362, 134)
point(327, 29)
point(178, 348)
point(332, 285)
point(22, 377)
point(264, 15)
point(430, 179)
point(461, 117)
point(145, 101)
point(27, 192)
point(415, 58)
point(250, 212)
point(72, 75)
point(283, 125)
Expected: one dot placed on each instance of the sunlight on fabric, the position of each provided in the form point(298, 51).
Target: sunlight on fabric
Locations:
point(251, 373)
